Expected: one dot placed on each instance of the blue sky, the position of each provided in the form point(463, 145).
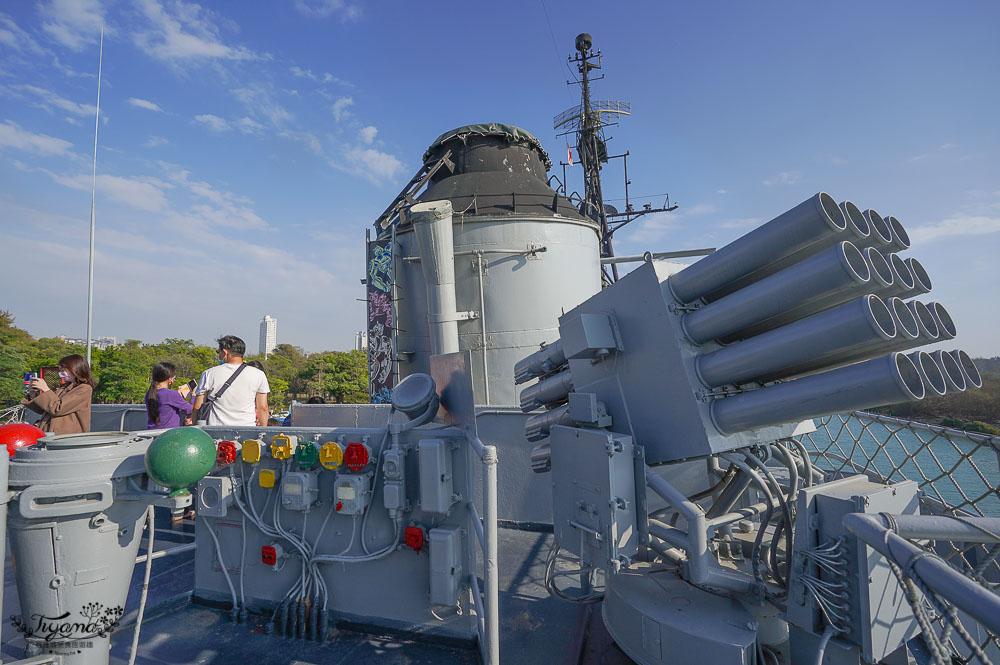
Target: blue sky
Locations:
point(245, 147)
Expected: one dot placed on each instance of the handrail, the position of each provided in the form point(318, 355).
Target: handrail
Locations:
point(487, 604)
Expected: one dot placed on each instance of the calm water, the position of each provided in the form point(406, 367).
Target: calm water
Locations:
point(956, 459)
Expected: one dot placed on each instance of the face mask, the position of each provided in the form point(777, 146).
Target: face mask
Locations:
point(65, 376)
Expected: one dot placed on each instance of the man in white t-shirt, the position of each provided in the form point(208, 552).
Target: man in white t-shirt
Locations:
point(244, 402)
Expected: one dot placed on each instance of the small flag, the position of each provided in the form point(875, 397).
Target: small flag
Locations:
point(569, 154)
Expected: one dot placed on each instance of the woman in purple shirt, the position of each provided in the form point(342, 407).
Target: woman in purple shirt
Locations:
point(164, 405)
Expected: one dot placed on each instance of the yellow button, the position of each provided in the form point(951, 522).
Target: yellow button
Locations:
point(331, 455)
point(281, 446)
point(251, 451)
point(267, 478)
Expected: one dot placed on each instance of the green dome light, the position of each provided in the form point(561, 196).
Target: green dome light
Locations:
point(180, 457)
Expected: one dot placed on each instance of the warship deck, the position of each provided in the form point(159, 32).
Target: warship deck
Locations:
point(535, 627)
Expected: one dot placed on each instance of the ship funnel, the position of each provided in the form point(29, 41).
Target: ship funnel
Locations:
point(433, 226)
point(886, 380)
point(809, 227)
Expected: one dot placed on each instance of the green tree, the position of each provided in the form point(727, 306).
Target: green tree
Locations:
point(124, 375)
point(338, 376)
point(13, 367)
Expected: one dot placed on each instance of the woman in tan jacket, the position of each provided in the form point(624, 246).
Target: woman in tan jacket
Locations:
point(65, 410)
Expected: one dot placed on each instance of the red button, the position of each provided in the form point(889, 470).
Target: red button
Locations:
point(268, 555)
point(226, 453)
point(413, 537)
point(339, 506)
point(356, 456)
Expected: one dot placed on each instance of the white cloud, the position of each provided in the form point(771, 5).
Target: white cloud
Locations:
point(653, 228)
point(14, 37)
point(324, 8)
point(213, 122)
point(262, 103)
point(48, 99)
point(367, 134)
point(227, 209)
point(155, 142)
point(340, 108)
point(12, 136)
point(326, 77)
point(73, 23)
point(184, 32)
point(144, 104)
point(375, 165)
point(139, 193)
point(959, 225)
point(249, 126)
point(701, 209)
point(783, 178)
point(722, 191)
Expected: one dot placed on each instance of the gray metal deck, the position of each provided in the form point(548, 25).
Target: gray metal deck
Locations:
point(534, 627)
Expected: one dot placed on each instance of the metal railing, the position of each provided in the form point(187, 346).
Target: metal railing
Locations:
point(487, 602)
point(958, 474)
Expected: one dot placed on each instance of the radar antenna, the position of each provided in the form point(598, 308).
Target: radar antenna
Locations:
point(587, 121)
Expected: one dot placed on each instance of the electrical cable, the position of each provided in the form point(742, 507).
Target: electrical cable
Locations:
point(378, 468)
point(550, 577)
point(150, 525)
point(821, 649)
point(222, 564)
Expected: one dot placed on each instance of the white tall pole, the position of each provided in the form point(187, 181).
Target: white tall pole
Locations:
point(93, 195)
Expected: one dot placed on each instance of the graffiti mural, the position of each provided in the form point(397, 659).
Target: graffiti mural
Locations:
point(380, 333)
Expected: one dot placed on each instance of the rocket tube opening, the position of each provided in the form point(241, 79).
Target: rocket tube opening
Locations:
point(906, 323)
point(879, 268)
point(946, 327)
point(856, 222)
point(901, 272)
point(972, 377)
point(921, 279)
point(855, 261)
point(879, 227)
point(881, 318)
point(934, 383)
point(951, 370)
point(908, 376)
point(925, 320)
point(832, 212)
point(899, 235)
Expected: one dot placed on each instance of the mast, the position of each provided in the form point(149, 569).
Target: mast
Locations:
point(93, 196)
point(587, 121)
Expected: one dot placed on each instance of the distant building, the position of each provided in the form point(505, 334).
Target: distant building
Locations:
point(361, 340)
point(268, 335)
point(100, 343)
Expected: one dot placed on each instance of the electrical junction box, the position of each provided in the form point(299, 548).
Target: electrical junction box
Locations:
point(589, 336)
point(351, 494)
point(267, 478)
point(446, 565)
point(283, 446)
point(881, 618)
point(436, 481)
point(215, 495)
point(299, 490)
point(593, 495)
point(251, 451)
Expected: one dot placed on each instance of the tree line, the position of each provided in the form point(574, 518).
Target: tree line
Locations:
point(122, 372)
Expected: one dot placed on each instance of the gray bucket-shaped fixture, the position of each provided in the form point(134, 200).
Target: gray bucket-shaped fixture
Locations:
point(934, 382)
point(880, 231)
point(415, 395)
point(973, 380)
point(945, 324)
point(889, 379)
point(831, 271)
point(813, 225)
point(950, 369)
point(900, 239)
point(805, 345)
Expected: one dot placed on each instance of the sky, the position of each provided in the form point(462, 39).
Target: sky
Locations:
point(245, 147)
